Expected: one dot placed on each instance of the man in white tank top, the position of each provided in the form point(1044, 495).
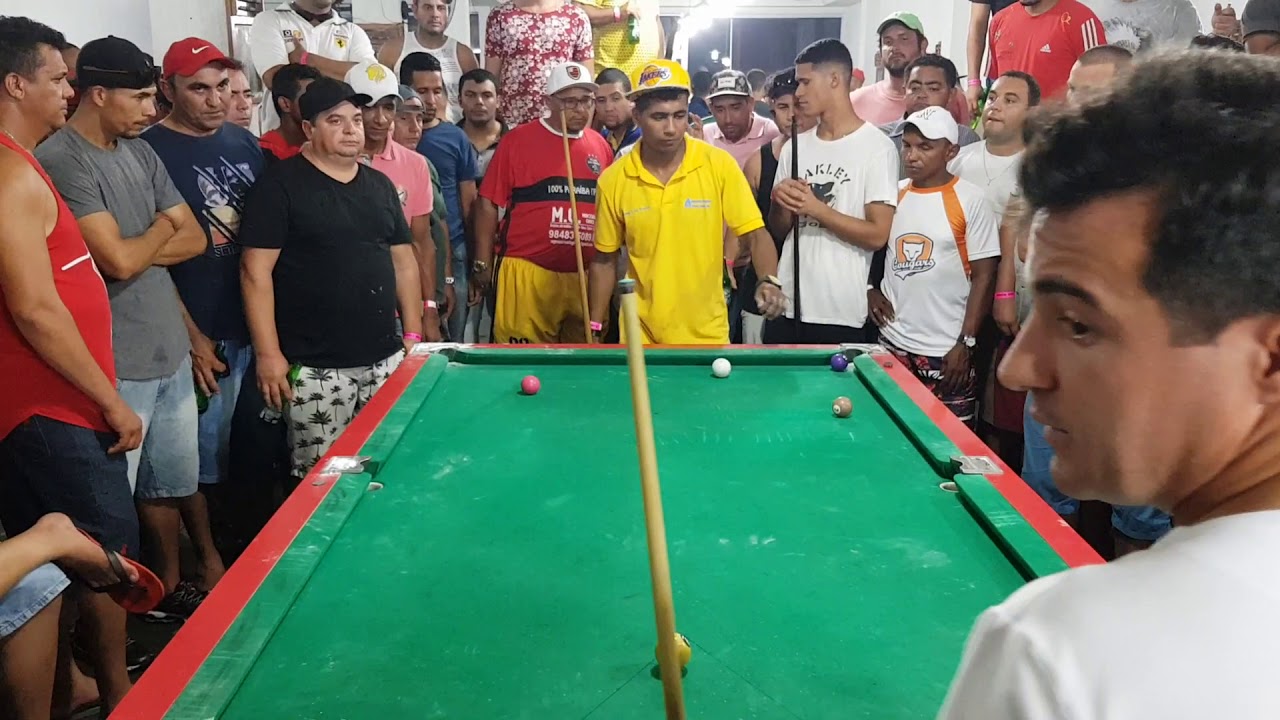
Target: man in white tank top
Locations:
point(455, 58)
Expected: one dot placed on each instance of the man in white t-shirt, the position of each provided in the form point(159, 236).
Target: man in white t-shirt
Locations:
point(940, 267)
point(306, 32)
point(1153, 354)
point(844, 195)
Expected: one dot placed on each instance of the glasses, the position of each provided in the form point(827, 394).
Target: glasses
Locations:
point(585, 103)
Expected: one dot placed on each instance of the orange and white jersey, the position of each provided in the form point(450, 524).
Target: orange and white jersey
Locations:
point(937, 233)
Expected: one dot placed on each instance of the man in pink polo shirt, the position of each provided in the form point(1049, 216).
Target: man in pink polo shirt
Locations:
point(739, 131)
point(408, 172)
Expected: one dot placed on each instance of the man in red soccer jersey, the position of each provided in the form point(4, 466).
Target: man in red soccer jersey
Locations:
point(539, 299)
point(1044, 38)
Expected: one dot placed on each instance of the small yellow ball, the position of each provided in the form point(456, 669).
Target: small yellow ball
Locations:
point(684, 650)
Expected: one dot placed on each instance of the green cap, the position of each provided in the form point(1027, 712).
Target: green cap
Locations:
point(902, 18)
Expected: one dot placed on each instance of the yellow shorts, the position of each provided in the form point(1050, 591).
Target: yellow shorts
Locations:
point(536, 305)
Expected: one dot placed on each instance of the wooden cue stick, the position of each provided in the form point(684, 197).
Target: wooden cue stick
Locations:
point(795, 232)
point(659, 564)
point(577, 242)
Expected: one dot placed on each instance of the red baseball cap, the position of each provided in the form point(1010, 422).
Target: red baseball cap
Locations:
point(186, 57)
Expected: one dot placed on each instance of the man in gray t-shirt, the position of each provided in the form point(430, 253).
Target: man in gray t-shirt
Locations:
point(135, 223)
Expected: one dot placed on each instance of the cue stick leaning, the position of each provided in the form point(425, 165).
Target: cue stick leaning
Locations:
point(577, 242)
point(795, 232)
point(655, 527)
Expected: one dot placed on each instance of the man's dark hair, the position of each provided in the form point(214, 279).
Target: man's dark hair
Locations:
point(781, 84)
point(418, 62)
point(287, 82)
point(20, 41)
point(1033, 87)
point(1216, 42)
point(478, 76)
point(1201, 131)
point(947, 67)
point(1106, 55)
point(756, 78)
point(828, 51)
point(701, 82)
point(609, 76)
point(647, 100)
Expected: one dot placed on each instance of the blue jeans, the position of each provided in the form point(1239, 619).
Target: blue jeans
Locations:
point(215, 422)
point(168, 463)
point(1137, 522)
point(47, 466)
point(32, 594)
point(460, 270)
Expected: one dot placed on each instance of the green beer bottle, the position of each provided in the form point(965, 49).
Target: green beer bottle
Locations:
point(633, 30)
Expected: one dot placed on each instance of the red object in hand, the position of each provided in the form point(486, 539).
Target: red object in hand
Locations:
point(530, 385)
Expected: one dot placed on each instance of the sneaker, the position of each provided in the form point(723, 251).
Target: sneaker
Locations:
point(177, 605)
point(136, 658)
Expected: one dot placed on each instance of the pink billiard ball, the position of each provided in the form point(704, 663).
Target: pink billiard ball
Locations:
point(530, 385)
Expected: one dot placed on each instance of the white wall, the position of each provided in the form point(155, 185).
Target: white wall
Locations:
point(150, 24)
point(945, 21)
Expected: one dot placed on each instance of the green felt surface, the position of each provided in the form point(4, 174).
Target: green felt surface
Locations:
point(501, 572)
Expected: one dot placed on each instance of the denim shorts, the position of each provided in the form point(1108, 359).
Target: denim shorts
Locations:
point(50, 466)
point(215, 421)
point(1137, 522)
point(168, 463)
point(32, 594)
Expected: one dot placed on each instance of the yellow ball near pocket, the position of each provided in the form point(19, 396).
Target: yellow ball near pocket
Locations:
point(684, 651)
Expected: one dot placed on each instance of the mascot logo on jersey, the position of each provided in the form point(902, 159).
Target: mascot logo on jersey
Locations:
point(912, 254)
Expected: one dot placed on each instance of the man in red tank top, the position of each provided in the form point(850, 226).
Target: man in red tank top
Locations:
point(64, 428)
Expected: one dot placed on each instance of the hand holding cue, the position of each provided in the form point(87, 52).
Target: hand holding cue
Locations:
point(577, 242)
point(795, 232)
point(659, 564)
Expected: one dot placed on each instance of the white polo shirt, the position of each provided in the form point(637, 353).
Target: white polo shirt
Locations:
point(937, 233)
point(274, 32)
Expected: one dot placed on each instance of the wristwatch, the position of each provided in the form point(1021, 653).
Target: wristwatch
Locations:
point(969, 341)
point(479, 266)
point(448, 281)
point(771, 279)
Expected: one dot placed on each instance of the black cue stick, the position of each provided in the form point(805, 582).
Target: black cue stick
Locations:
point(795, 231)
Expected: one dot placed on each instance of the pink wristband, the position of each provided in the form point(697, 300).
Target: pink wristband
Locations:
point(975, 82)
point(413, 337)
point(304, 58)
point(431, 305)
point(1006, 295)
point(597, 327)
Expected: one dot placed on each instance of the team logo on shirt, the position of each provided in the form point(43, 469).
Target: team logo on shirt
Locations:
point(593, 162)
point(341, 43)
point(912, 254)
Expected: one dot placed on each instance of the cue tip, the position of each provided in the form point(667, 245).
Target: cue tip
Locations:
point(626, 285)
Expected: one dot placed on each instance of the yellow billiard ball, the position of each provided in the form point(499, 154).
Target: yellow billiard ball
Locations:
point(684, 651)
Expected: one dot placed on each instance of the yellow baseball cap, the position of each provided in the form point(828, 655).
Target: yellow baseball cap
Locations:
point(657, 75)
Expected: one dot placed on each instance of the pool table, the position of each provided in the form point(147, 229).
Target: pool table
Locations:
point(466, 551)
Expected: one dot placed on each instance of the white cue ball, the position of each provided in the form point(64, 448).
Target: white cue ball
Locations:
point(720, 368)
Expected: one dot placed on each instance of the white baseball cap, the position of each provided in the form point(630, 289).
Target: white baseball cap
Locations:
point(935, 123)
point(375, 80)
point(569, 75)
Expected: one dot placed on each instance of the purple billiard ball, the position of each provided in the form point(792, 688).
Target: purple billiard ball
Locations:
point(839, 362)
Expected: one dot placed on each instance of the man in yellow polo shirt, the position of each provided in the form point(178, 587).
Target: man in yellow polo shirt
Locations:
point(626, 34)
point(668, 203)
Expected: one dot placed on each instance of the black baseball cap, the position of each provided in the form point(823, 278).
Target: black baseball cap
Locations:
point(1261, 16)
point(114, 63)
point(326, 94)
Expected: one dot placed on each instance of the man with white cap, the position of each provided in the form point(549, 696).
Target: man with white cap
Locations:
point(944, 247)
point(539, 296)
point(327, 262)
point(407, 170)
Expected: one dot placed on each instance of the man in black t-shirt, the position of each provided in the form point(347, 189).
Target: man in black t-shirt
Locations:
point(328, 260)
